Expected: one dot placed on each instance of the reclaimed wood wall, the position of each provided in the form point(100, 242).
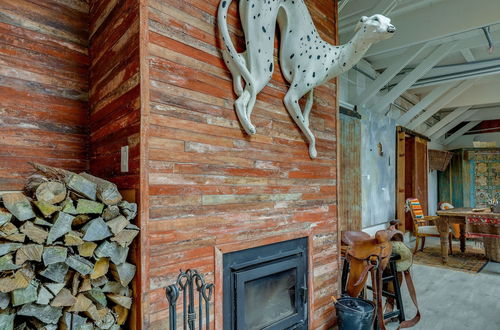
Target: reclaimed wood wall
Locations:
point(114, 89)
point(211, 186)
point(43, 87)
point(349, 192)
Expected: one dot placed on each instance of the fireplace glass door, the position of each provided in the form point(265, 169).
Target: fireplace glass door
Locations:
point(267, 290)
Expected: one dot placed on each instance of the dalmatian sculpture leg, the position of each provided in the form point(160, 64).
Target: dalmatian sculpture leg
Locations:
point(306, 60)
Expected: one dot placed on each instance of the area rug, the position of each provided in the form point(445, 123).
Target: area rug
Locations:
point(471, 261)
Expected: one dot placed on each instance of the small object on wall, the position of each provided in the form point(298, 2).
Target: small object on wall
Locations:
point(380, 149)
point(88, 265)
point(124, 159)
point(306, 60)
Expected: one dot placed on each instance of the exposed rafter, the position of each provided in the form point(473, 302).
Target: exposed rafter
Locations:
point(469, 40)
point(440, 103)
point(388, 74)
point(467, 54)
point(446, 120)
point(414, 75)
point(452, 124)
point(460, 132)
point(424, 103)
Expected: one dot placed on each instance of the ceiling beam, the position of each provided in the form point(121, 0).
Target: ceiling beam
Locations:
point(440, 103)
point(424, 103)
point(454, 72)
point(469, 40)
point(388, 74)
point(431, 22)
point(414, 75)
point(492, 113)
point(460, 132)
point(467, 54)
point(446, 120)
point(484, 92)
point(452, 124)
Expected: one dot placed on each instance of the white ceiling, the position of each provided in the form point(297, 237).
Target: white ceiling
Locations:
point(426, 25)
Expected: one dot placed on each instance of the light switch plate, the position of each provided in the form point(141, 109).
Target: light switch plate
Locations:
point(124, 159)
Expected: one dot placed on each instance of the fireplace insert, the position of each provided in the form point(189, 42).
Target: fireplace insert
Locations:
point(266, 287)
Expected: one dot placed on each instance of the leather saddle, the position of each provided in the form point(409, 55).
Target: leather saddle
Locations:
point(365, 253)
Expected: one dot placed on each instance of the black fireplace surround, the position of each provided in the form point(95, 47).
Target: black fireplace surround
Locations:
point(266, 287)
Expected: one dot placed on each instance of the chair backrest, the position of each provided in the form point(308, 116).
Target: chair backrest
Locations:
point(416, 211)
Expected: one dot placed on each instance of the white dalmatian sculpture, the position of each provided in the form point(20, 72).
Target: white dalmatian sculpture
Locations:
point(306, 60)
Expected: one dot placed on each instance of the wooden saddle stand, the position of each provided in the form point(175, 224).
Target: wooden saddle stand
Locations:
point(371, 255)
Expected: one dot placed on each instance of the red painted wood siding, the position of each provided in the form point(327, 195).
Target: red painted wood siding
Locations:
point(115, 89)
point(210, 184)
point(43, 87)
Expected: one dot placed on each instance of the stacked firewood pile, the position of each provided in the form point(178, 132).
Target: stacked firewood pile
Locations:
point(63, 253)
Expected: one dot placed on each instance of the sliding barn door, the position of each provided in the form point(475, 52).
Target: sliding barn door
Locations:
point(412, 175)
point(349, 195)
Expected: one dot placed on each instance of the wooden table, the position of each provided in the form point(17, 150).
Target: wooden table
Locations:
point(458, 216)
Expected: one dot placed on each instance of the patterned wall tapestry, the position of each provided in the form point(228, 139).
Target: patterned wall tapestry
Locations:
point(485, 171)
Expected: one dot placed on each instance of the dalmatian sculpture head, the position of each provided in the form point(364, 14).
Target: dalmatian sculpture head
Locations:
point(376, 27)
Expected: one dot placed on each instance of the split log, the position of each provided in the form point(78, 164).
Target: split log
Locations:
point(120, 300)
point(19, 205)
point(73, 238)
point(97, 296)
point(4, 300)
point(41, 222)
point(55, 288)
point(54, 254)
point(34, 233)
point(75, 285)
point(107, 192)
point(19, 280)
point(46, 209)
point(117, 224)
point(81, 219)
point(7, 321)
point(87, 249)
point(69, 207)
point(73, 181)
point(125, 237)
point(46, 314)
point(85, 285)
point(9, 247)
point(72, 321)
point(100, 268)
point(9, 229)
point(51, 192)
point(62, 226)
point(6, 263)
point(44, 296)
point(26, 295)
point(32, 252)
point(56, 272)
point(129, 210)
point(63, 299)
point(81, 265)
point(5, 216)
point(121, 314)
point(99, 282)
point(124, 273)
point(112, 250)
point(82, 304)
point(85, 206)
point(107, 320)
point(116, 287)
point(96, 230)
point(111, 212)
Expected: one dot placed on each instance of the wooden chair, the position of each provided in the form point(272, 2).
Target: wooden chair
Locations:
point(421, 224)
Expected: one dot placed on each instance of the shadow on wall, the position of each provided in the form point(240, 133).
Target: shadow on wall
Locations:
point(378, 169)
